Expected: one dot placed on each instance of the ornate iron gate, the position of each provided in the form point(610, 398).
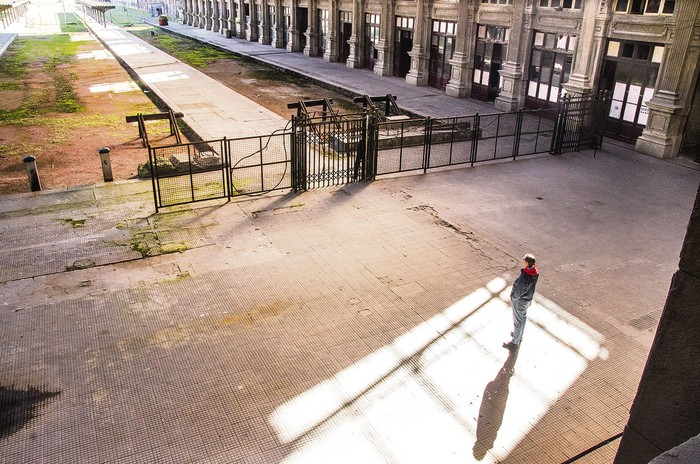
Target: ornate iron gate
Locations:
point(329, 151)
point(580, 123)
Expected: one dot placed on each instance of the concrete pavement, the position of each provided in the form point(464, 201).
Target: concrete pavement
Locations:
point(211, 109)
point(358, 324)
point(424, 100)
point(354, 324)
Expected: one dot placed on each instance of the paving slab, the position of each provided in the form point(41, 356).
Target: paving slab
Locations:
point(420, 100)
point(360, 323)
point(211, 109)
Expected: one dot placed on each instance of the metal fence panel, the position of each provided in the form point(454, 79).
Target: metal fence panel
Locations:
point(451, 141)
point(188, 172)
point(400, 145)
point(260, 164)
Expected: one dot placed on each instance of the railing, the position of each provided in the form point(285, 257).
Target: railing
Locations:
point(422, 144)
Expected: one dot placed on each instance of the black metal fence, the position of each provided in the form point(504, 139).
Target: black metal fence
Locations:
point(422, 144)
point(335, 149)
point(223, 168)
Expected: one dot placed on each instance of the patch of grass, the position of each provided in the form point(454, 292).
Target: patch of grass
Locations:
point(173, 248)
point(10, 86)
point(125, 16)
point(188, 51)
point(71, 23)
point(276, 75)
point(49, 52)
point(74, 223)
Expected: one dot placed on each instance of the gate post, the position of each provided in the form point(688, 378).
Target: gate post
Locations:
point(475, 140)
point(559, 127)
point(293, 154)
point(518, 131)
point(226, 166)
point(298, 164)
point(152, 167)
point(427, 141)
point(372, 152)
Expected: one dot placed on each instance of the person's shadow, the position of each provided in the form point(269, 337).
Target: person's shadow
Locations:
point(493, 405)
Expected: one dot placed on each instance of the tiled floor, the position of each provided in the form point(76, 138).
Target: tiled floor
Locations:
point(355, 324)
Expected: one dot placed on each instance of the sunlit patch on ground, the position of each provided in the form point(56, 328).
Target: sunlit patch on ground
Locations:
point(116, 87)
point(95, 55)
point(164, 76)
point(446, 391)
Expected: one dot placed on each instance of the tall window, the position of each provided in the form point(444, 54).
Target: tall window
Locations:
point(550, 66)
point(372, 22)
point(442, 47)
point(629, 73)
point(645, 6)
point(286, 22)
point(498, 2)
point(491, 44)
point(569, 4)
point(403, 38)
point(322, 30)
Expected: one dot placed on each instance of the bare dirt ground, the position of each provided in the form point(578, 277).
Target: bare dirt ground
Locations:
point(66, 144)
point(265, 86)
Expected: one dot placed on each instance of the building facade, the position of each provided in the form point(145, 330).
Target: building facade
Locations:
point(514, 53)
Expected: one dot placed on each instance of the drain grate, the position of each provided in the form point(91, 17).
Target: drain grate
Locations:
point(645, 322)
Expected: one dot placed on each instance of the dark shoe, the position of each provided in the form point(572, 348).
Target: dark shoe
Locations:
point(511, 346)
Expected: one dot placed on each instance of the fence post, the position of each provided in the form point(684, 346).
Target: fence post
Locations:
point(427, 141)
point(153, 167)
point(32, 173)
point(559, 128)
point(372, 152)
point(475, 140)
point(225, 165)
point(518, 132)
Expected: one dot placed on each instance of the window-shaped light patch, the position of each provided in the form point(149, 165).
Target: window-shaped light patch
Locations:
point(115, 87)
point(445, 391)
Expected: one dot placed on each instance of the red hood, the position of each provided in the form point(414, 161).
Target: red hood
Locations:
point(531, 270)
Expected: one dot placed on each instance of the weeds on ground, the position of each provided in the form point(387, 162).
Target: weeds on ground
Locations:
point(188, 51)
point(50, 53)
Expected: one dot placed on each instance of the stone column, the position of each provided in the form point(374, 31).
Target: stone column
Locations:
point(208, 14)
point(264, 24)
point(590, 48)
point(187, 12)
point(462, 61)
point(384, 64)
point(254, 20)
point(331, 52)
point(293, 43)
point(355, 57)
point(239, 25)
point(670, 105)
point(230, 19)
point(311, 33)
point(511, 96)
point(279, 19)
point(216, 16)
point(196, 13)
point(666, 409)
point(418, 75)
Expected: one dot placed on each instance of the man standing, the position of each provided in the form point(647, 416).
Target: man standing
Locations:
point(521, 297)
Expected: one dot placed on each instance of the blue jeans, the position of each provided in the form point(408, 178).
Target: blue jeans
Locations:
point(519, 318)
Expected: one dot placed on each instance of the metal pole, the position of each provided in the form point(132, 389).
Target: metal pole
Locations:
point(30, 164)
point(106, 164)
